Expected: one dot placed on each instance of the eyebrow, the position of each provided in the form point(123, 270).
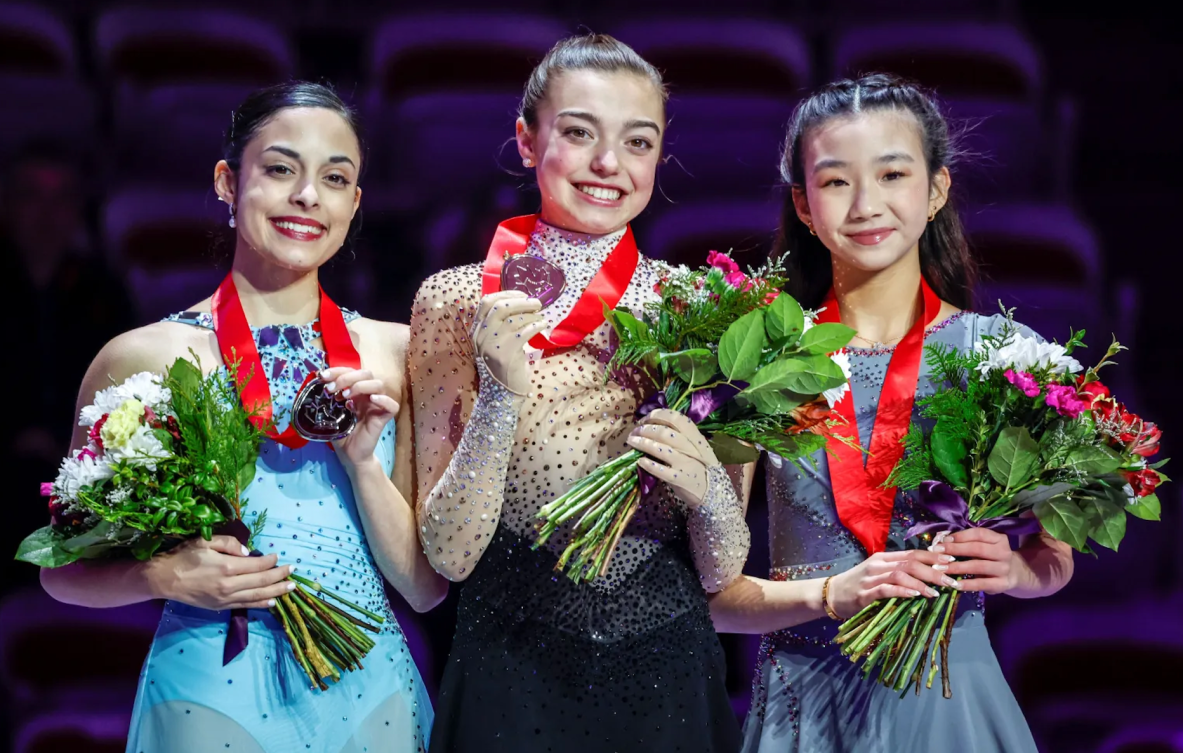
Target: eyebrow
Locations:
point(335, 159)
point(827, 164)
point(589, 117)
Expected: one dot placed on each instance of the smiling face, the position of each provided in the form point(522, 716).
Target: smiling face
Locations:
point(596, 144)
point(296, 190)
point(867, 191)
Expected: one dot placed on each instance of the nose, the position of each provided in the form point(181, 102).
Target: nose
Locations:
point(306, 195)
point(605, 162)
point(868, 201)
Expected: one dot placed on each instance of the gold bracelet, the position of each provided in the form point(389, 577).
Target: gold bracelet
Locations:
point(826, 600)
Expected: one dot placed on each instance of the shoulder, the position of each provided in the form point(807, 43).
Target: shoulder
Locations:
point(152, 347)
point(457, 283)
point(997, 325)
point(383, 346)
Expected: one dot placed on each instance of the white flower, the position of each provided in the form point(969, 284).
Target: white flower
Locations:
point(83, 469)
point(1026, 354)
point(835, 394)
point(143, 448)
point(144, 386)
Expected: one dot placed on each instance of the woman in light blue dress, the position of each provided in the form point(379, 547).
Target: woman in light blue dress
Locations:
point(872, 238)
point(335, 514)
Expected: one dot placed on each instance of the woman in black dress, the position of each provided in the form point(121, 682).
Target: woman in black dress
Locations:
point(512, 406)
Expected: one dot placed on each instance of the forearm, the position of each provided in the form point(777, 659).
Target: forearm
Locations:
point(389, 524)
point(460, 514)
point(102, 583)
point(719, 536)
point(1044, 566)
point(755, 605)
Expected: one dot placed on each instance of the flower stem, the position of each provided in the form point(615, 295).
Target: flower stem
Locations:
point(321, 590)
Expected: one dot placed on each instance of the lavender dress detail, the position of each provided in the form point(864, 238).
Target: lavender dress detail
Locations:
point(807, 697)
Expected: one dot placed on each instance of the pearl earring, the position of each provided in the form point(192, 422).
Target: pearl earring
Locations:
point(233, 224)
point(527, 162)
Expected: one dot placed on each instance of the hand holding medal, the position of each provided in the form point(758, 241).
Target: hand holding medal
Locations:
point(504, 325)
point(353, 397)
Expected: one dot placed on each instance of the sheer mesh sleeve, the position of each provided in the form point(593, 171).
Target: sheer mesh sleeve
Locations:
point(719, 536)
point(464, 426)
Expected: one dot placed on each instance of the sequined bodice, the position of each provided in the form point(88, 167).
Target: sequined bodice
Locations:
point(312, 520)
point(805, 535)
point(575, 417)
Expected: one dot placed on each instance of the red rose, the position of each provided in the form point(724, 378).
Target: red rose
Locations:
point(1093, 391)
point(173, 428)
point(1144, 482)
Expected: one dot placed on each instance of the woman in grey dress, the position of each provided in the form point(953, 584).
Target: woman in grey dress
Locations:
point(873, 239)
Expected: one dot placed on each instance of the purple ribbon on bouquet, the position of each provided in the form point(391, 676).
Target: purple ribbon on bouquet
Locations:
point(952, 514)
point(237, 633)
point(702, 404)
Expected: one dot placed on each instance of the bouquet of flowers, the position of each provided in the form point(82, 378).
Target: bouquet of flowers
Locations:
point(1020, 441)
point(740, 358)
point(167, 459)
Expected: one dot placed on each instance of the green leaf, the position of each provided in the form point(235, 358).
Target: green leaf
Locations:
point(791, 446)
point(948, 454)
point(246, 474)
point(186, 375)
point(1159, 464)
point(146, 546)
point(822, 339)
point(784, 320)
point(1029, 498)
point(1092, 461)
point(731, 451)
point(774, 402)
point(43, 548)
point(809, 375)
point(1014, 457)
point(696, 366)
point(627, 326)
point(741, 346)
point(1064, 521)
point(1107, 522)
point(1146, 508)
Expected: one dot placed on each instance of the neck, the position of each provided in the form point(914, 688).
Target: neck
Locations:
point(882, 305)
point(274, 295)
point(576, 231)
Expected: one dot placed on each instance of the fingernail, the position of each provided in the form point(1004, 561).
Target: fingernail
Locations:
point(950, 582)
point(348, 391)
point(246, 552)
point(349, 404)
point(910, 592)
point(291, 569)
point(271, 602)
point(931, 592)
point(324, 373)
point(938, 548)
point(946, 558)
point(331, 387)
point(940, 567)
point(290, 586)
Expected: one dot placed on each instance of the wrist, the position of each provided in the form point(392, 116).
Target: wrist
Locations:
point(362, 469)
point(154, 576)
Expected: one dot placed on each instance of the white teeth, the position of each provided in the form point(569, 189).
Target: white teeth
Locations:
point(607, 194)
point(306, 229)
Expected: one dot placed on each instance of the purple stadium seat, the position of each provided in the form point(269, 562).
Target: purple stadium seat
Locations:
point(466, 51)
point(725, 55)
point(723, 146)
point(165, 241)
point(58, 655)
point(144, 47)
point(684, 233)
point(57, 107)
point(75, 731)
point(35, 41)
point(961, 60)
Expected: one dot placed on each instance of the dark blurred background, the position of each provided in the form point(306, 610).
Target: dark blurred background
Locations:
point(111, 117)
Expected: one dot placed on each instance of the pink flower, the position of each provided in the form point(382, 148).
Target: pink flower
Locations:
point(738, 280)
point(46, 488)
point(723, 262)
point(95, 435)
point(1065, 400)
point(86, 452)
point(1023, 381)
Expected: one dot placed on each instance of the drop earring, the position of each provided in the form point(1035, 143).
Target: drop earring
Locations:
point(233, 223)
point(811, 230)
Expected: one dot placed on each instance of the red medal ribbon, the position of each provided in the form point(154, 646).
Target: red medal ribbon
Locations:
point(606, 288)
point(236, 343)
point(864, 504)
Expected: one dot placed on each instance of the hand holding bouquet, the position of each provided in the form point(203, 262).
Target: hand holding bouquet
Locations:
point(168, 459)
point(1019, 443)
point(737, 356)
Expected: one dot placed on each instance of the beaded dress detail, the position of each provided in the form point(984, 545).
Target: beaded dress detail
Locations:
point(628, 662)
point(807, 696)
point(261, 701)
